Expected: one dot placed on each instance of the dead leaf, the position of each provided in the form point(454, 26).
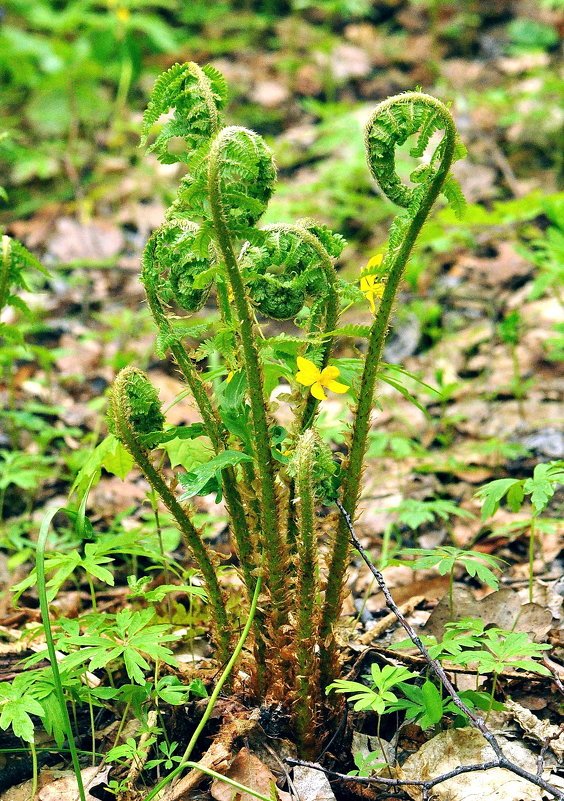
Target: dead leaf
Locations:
point(312, 785)
point(538, 730)
point(502, 608)
point(270, 94)
point(248, 770)
point(349, 61)
point(66, 789)
point(467, 746)
point(76, 241)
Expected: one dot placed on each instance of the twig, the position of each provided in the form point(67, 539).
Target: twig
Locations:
point(500, 760)
point(425, 784)
point(548, 663)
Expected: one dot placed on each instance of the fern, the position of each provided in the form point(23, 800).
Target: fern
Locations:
point(392, 123)
point(15, 260)
point(197, 96)
point(272, 478)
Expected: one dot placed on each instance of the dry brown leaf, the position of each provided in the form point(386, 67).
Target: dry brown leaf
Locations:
point(312, 785)
point(450, 749)
point(502, 608)
point(248, 770)
point(76, 241)
point(66, 789)
point(538, 730)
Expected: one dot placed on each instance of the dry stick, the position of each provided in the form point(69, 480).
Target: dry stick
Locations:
point(500, 760)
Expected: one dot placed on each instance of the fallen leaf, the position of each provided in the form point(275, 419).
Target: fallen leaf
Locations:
point(76, 241)
point(538, 730)
point(450, 749)
point(248, 770)
point(66, 789)
point(312, 785)
point(502, 608)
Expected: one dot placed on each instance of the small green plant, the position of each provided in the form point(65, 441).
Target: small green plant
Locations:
point(510, 331)
point(396, 689)
point(367, 765)
point(539, 488)
point(378, 695)
point(468, 642)
point(272, 478)
point(445, 560)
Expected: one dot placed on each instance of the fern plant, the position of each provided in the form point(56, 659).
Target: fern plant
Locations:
point(273, 479)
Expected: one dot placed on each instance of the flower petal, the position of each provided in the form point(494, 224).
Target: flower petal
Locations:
point(317, 391)
point(367, 283)
point(375, 261)
point(308, 372)
point(328, 374)
point(335, 386)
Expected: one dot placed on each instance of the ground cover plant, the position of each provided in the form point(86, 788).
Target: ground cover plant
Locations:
point(165, 636)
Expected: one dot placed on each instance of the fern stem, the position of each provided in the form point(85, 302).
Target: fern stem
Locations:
point(395, 261)
point(244, 541)
point(307, 687)
point(119, 411)
point(273, 540)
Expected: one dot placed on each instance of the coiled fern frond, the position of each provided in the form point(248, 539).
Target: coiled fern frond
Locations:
point(135, 409)
point(284, 270)
point(389, 127)
point(172, 263)
point(197, 95)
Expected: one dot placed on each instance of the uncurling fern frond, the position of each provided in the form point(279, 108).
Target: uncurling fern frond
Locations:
point(392, 123)
point(284, 270)
point(197, 96)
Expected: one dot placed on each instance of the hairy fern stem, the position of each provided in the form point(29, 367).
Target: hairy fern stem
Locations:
point(307, 667)
point(418, 204)
point(120, 418)
point(273, 540)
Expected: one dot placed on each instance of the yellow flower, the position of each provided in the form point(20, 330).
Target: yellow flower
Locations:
point(370, 285)
point(123, 13)
point(311, 376)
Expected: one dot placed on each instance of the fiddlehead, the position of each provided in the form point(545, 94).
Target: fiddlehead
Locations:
point(291, 265)
point(135, 417)
point(197, 95)
point(392, 123)
point(171, 265)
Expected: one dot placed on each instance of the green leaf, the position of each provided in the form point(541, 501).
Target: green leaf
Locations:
point(188, 453)
point(110, 455)
point(492, 493)
point(16, 711)
point(194, 481)
point(515, 496)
